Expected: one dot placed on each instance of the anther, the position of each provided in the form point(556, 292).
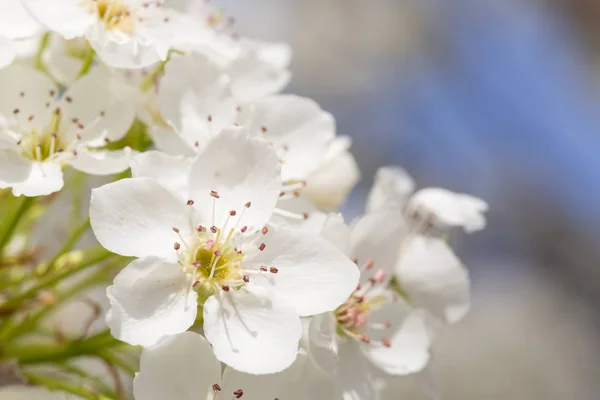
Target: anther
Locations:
point(22, 94)
point(273, 270)
point(52, 93)
point(190, 202)
point(30, 118)
point(69, 99)
point(248, 204)
point(216, 388)
point(196, 144)
point(263, 129)
point(386, 342)
point(369, 264)
point(238, 393)
point(262, 246)
point(16, 111)
point(106, 140)
point(263, 268)
point(218, 253)
point(305, 215)
point(225, 288)
point(364, 338)
point(209, 118)
point(213, 229)
point(244, 228)
point(209, 245)
point(196, 264)
point(214, 194)
point(176, 246)
point(102, 113)
point(265, 230)
point(232, 213)
point(78, 136)
point(246, 278)
point(199, 228)
point(176, 230)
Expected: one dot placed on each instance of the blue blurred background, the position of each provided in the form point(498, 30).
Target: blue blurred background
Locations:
point(499, 99)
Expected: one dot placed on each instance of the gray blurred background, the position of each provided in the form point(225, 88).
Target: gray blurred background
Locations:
point(499, 99)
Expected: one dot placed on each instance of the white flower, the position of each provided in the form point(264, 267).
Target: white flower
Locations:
point(184, 367)
point(17, 392)
point(374, 331)
point(216, 249)
point(15, 25)
point(124, 33)
point(40, 131)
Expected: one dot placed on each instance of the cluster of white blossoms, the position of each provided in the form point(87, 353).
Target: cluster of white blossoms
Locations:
point(243, 279)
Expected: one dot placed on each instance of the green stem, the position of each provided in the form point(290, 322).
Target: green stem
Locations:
point(14, 222)
point(44, 42)
point(88, 61)
point(151, 77)
point(91, 257)
point(61, 384)
point(111, 358)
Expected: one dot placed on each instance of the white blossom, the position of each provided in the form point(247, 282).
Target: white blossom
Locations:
point(42, 130)
point(16, 25)
point(217, 249)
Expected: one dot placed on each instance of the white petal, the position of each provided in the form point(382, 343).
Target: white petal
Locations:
point(356, 375)
point(13, 168)
point(25, 93)
point(434, 278)
point(410, 339)
point(331, 184)
point(449, 209)
point(7, 52)
point(135, 217)
point(67, 17)
point(103, 104)
point(251, 334)
point(15, 21)
point(297, 127)
point(121, 50)
point(179, 367)
point(313, 276)
point(149, 300)
point(261, 70)
point(44, 178)
point(392, 186)
point(169, 141)
point(241, 170)
point(376, 239)
point(170, 171)
point(337, 232)
point(20, 392)
point(323, 342)
point(101, 162)
point(298, 212)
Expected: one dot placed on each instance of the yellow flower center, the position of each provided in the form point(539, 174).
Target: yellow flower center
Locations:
point(114, 14)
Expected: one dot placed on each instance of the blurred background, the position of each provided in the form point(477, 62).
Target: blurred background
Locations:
point(499, 99)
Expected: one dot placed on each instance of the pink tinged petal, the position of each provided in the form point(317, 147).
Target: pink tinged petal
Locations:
point(178, 367)
point(135, 217)
point(407, 340)
point(313, 276)
point(101, 162)
point(330, 185)
point(447, 209)
point(244, 172)
point(149, 300)
point(298, 128)
point(13, 168)
point(68, 18)
point(7, 52)
point(102, 105)
point(376, 240)
point(392, 186)
point(251, 334)
point(44, 178)
point(169, 171)
point(26, 93)
point(433, 278)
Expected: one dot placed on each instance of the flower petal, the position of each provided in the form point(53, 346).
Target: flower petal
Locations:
point(121, 50)
point(44, 178)
point(170, 171)
point(298, 212)
point(313, 276)
point(392, 187)
point(337, 232)
point(69, 18)
point(149, 300)
point(13, 168)
point(448, 209)
point(241, 170)
point(16, 22)
point(323, 342)
point(178, 367)
point(297, 127)
point(434, 278)
point(101, 162)
point(376, 239)
point(330, 185)
point(409, 337)
point(7, 52)
point(251, 334)
point(135, 217)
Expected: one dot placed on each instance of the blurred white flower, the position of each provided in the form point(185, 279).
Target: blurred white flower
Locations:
point(17, 392)
point(42, 130)
point(15, 25)
point(252, 280)
point(374, 331)
point(184, 367)
point(124, 33)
